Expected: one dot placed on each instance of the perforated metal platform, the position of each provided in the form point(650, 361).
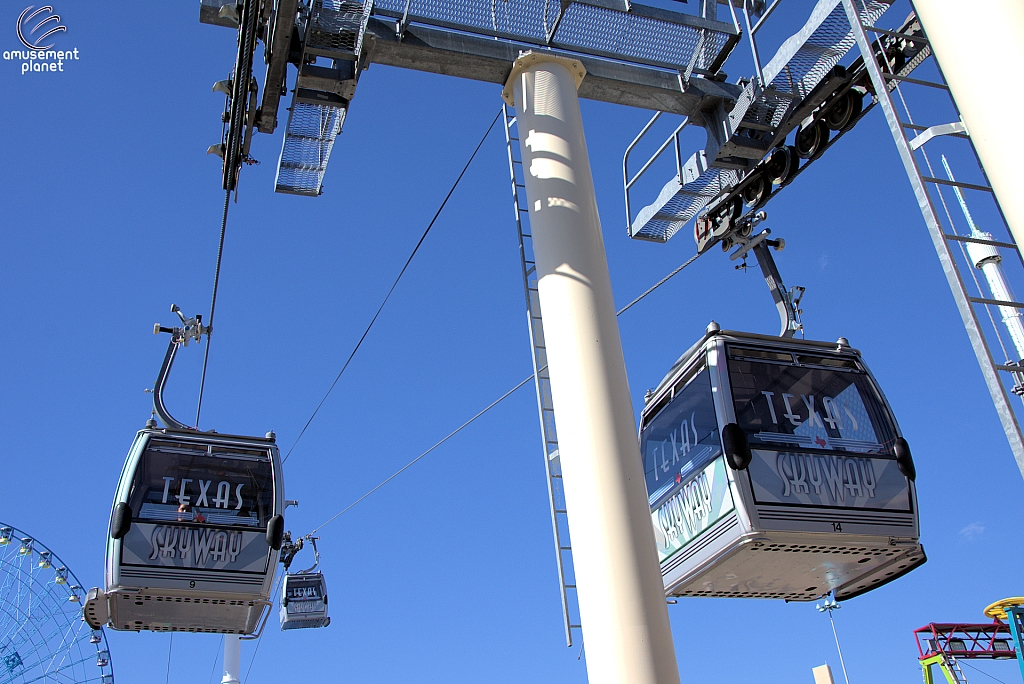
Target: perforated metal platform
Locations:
point(644, 49)
point(800, 64)
point(308, 141)
point(642, 35)
point(804, 59)
point(335, 29)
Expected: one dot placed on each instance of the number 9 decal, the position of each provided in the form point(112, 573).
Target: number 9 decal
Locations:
point(192, 584)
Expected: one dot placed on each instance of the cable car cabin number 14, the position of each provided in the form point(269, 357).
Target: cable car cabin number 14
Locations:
point(756, 446)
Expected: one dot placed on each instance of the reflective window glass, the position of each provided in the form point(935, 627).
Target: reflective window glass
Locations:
point(183, 483)
point(681, 438)
point(817, 408)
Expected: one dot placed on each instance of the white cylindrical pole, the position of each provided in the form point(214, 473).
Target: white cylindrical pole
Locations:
point(987, 258)
point(622, 599)
point(232, 659)
point(980, 47)
point(1011, 316)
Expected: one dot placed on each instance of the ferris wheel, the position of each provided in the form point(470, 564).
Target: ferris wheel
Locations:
point(43, 637)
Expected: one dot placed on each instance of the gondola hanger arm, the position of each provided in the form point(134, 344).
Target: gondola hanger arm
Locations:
point(192, 329)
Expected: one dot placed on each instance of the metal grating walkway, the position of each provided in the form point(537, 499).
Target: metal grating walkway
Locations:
point(798, 66)
point(333, 29)
point(641, 35)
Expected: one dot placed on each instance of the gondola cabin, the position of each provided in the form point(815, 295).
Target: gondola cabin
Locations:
point(304, 601)
point(775, 469)
point(194, 534)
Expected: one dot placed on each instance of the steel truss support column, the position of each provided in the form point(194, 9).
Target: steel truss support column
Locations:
point(980, 48)
point(1000, 398)
point(621, 595)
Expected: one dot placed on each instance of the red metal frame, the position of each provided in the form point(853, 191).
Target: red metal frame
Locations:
point(964, 640)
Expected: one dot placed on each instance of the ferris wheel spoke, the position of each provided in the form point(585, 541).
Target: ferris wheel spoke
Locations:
point(63, 651)
point(42, 635)
point(56, 674)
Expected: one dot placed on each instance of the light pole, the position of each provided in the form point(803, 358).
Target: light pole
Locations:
point(232, 659)
point(830, 605)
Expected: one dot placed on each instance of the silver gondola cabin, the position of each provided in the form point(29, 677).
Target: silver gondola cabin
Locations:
point(304, 601)
point(775, 469)
point(195, 529)
point(303, 593)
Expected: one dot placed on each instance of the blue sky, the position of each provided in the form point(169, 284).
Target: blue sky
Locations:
point(110, 212)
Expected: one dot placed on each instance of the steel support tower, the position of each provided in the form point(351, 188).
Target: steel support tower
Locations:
point(619, 585)
point(1002, 378)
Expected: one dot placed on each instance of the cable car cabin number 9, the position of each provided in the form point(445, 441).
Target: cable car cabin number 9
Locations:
point(195, 534)
point(775, 469)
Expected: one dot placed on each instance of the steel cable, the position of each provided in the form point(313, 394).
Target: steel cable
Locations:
point(490, 406)
point(393, 286)
point(213, 303)
point(170, 645)
point(984, 673)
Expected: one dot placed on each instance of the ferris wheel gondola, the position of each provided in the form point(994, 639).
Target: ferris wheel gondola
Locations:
point(196, 525)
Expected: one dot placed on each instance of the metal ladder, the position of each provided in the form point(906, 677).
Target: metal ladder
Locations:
point(998, 376)
point(953, 667)
point(552, 465)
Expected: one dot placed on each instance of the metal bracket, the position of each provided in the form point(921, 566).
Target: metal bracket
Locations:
point(934, 131)
point(290, 549)
point(403, 23)
point(191, 329)
point(787, 301)
point(263, 623)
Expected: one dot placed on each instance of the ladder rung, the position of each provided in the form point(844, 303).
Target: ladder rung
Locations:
point(571, 586)
point(916, 127)
point(553, 476)
point(996, 302)
point(560, 511)
point(916, 39)
point(522, 211)
point(1009, 369)
point(915, 81)
point(575, 626)
point(565, 548)
point(994, 243)
point(957, 184)
point(520, 185)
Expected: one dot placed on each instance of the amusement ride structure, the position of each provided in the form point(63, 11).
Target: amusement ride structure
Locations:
point(774, 466)
point(42, 635)
point(942, 645)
